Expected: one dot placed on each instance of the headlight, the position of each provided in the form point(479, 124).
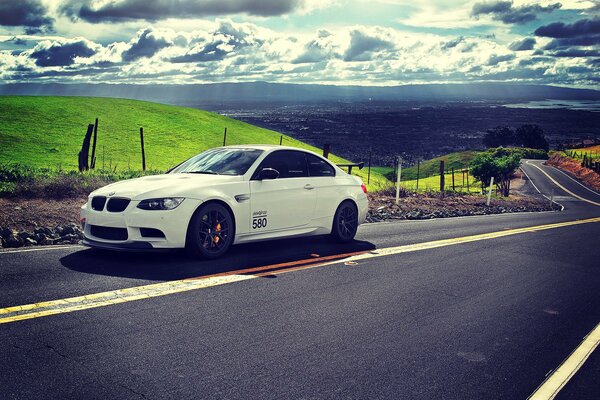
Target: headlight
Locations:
point(167, 203)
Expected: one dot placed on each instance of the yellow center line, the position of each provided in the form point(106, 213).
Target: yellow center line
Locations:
point(42, 309)
point(562, 187)
point(559, 378)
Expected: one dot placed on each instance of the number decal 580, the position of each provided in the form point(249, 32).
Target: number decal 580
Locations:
point(258, 223)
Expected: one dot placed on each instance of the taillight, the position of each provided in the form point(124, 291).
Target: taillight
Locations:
point(364, 188)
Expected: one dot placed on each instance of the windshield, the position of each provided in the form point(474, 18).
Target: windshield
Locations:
point(221, 161)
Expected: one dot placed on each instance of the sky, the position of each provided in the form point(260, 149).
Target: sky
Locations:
point(337, 42)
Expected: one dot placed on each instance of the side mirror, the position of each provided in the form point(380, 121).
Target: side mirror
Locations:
point(267, 173)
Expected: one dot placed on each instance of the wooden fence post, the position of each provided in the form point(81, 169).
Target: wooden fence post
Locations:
point(85, 149)
point(225, 137)
point(442, 176)
point(418, 172)
point(326, 150)
point(369, 173)
point(143, 150)
point(280, 140)
point(93, 159)
point(468, 189)
point(489, 196)
point(453, 187)
point(398, 179)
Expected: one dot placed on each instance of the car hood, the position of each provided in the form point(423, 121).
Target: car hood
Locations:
point(166, 185)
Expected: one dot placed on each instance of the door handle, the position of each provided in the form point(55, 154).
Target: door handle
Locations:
point(308, 186)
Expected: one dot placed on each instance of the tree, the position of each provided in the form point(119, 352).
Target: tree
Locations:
point(499, 136)
point(499, 163)
point(532, 136)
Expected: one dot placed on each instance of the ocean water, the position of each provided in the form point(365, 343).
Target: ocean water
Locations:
point(586, 105)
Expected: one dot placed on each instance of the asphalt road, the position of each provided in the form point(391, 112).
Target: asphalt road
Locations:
point(483, 319)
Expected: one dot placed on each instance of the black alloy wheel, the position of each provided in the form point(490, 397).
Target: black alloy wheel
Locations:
point(345, 222)
point(211, 232)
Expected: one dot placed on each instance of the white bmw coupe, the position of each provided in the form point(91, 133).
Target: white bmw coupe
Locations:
point(225, 196)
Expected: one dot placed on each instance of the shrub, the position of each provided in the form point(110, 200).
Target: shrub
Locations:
point(499, 163)
point(22, 181)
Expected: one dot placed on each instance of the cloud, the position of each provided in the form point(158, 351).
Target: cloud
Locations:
point(227, 38)
point(224, 50)
point(453, 43)
point(313, 52)
point(321, 48)
point(363, 45)
point(591, 40)
point(534, 60)
point(153, 10)
point(522, 45)
point(576, 53)
point(496, 59)
point(146, 44)
point(18, 41)
point(562, 30)
point(31, 14)
point(508, 13)
point(63, 52)
point(213, 51)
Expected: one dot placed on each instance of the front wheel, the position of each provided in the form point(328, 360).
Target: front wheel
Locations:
point(211, 232)
point(345, 222)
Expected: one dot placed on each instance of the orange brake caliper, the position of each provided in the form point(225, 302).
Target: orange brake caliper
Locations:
point(217, 229)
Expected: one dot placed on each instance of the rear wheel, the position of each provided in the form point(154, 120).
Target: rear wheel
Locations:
point(211, 232)
point(345, 222)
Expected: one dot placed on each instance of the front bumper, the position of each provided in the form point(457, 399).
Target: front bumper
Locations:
point(129, 246)
point(172, 223)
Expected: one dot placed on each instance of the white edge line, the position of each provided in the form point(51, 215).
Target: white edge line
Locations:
point(562, 208)
point(42, 248)
point(574, 180)
point(549, 389)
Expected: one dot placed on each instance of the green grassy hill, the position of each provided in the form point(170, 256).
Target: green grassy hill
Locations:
point(42, 131)
point(431, 167)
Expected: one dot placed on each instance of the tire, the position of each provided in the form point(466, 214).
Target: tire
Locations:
point(345, 222)
point(210, 232)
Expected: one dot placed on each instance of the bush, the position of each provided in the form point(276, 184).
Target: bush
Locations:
point(22, 181)
point(524, 152)
point(499, 163)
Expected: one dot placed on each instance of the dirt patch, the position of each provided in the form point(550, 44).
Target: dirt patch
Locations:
point(585, 175)
point(427, 206)
point(28, 214)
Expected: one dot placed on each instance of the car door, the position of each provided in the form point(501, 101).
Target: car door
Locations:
point(322, 177)
point(286, 202)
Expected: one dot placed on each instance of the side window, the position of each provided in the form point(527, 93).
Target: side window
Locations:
point(318, 167)
point(289, 163)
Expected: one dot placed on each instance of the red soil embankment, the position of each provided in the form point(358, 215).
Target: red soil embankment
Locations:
point(585, 175)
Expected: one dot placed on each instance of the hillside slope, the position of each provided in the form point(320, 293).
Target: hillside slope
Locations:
point(431, 167)
point(47, 131)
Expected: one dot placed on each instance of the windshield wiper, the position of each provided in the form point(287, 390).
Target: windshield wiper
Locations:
point(209, 172)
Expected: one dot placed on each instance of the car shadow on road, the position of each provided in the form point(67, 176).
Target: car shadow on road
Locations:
point(171, 265)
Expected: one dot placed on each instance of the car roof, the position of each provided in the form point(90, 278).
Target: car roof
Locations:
point(264, 147)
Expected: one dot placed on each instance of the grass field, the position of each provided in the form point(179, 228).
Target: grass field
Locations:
point(429, 179)
point(432, 183)
point(427, 168)
point(592, 151)
point(47, 132)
